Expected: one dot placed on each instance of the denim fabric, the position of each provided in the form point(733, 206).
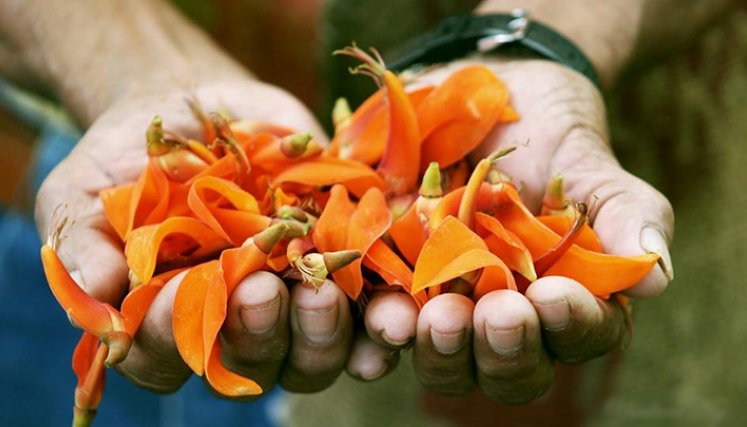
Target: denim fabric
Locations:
point(36, 342)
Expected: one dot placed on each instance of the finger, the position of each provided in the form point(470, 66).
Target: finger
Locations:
point(443, 351)
point(153, 362)
point(512, 365)
point(391, 319)
point(370, 361)
point(631, 218)
point(256, 335)
point(87, 242)
point(577, 326)
point(321, 334)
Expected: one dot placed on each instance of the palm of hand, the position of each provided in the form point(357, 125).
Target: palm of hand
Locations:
point(113, 152)
point(562, 130)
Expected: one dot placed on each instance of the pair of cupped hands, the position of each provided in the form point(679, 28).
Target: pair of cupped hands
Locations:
point(506, 344)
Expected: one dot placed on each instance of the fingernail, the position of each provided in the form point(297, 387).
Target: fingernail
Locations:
point(318, 326)
point(505, 342)
point(555, 316)
point(261, 318)
point(78, 278)
point(394, 342)
point(369, 373)
point(653, 242)
point(447, 344)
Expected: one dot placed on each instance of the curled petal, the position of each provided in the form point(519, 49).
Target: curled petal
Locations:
point(138, 301)
point(116, 202)
point(451, 251)
point(93, 316)
point(506, 245)
point(401, 159)
point(382, 260)
point(458, 115)
point(192, 239)
point(204, 204)
point(408, 234)
point(322, 171)
point(602, 274)
point(331, 231)
point(369, 221)
point(224, 381)
point(492, 278)
point(365, 135)
point(188, 314)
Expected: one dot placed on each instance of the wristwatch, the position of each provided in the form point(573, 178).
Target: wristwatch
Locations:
point(512, 33)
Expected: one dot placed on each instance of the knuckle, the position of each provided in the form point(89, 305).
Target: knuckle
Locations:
point(511, 395)
point(154, 377)
point(448, 382)
point(272, 351)
point(589, 341)
point(309, 367)
point(154, 387)
point(509, 368)
point(522, 390)
point(297, 381)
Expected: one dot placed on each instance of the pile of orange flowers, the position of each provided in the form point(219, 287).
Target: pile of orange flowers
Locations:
point(391, 204)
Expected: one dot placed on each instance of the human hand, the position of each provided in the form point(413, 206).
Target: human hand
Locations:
point(506, 344)
point(299, 338)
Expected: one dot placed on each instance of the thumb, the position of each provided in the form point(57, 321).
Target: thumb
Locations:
point(89, 247)
point(630, 216)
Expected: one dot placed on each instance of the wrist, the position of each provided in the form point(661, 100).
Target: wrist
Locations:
point(606, 32)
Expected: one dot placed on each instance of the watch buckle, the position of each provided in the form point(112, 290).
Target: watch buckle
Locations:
point(517, 29)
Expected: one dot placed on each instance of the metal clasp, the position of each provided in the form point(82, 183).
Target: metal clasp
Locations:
point(517, 27)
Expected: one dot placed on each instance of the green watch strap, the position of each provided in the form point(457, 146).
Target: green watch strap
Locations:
point(458, 36)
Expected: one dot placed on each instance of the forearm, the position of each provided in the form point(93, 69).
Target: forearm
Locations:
point(91, 52)
point(612, 33)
